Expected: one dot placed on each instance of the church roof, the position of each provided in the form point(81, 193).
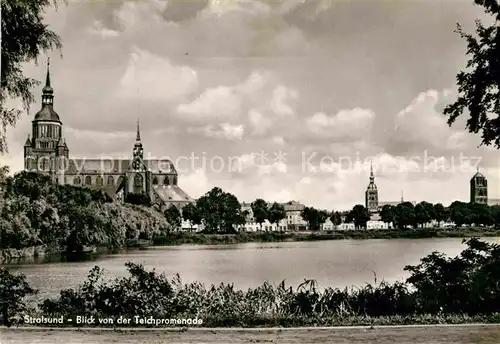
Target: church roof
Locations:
point(47, 113)
point(116, 165)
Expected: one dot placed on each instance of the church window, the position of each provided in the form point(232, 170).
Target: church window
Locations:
point(77, 181)
point(138, 180)
point(166, 181)
point(155, 180)
point(111, 180)
point(88, 180)
point(99, 181)
point(175, 180)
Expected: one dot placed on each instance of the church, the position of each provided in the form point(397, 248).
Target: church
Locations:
point(46, 151)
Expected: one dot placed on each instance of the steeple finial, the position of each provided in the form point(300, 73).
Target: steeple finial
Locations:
point(47, 79)
point(372, 177)
point(47, 91)
point(138, 137)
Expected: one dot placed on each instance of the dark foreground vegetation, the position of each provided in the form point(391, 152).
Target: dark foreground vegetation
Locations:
point(439, 290)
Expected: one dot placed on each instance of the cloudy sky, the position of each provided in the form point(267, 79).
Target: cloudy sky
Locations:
point(279, 99)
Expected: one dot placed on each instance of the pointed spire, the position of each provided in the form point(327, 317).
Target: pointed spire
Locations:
point(138, 137)
point(47, 79)
point(372, 177)
point(402, 196)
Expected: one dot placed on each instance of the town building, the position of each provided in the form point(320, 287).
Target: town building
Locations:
point(46, 151)
point(292, 221)
point(479, 189)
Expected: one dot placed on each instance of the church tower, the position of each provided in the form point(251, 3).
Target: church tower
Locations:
point(44, 148)
point(138, 176)
point(371, 194)
point(479, 189)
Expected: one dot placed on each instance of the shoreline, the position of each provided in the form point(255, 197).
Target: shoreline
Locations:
point(191, 238)
point(181, 238)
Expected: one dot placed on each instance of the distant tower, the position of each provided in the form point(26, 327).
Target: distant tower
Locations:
point(371, 194)
point(402, 199)
point(479, 189)
point(44, 147)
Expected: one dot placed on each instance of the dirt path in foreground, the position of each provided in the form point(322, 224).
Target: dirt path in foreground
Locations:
point(388, 335)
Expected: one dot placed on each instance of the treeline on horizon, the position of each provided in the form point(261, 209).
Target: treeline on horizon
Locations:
point(439, 289)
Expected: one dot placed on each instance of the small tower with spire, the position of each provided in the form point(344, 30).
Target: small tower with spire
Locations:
point(402, 198)
point(371, 194)
point(479, 188)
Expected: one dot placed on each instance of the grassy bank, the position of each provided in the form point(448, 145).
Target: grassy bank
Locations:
point(185, 238)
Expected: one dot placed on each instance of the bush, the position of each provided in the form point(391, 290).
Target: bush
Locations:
point(13, 290)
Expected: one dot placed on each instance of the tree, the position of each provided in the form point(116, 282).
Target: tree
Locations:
point(481, 214)
point(495, 210)
point(276, 213)
point(220, 211)
point(441, 213)
point(13, 290)
point(460, 213)
point(479, 86)
point(173, 216)
point(190, 213)
point(24, 38)
point(387, 214)
point(424, 213)
point(336, 218)
point(314, 217)
point(260, 211)
point(359, 215)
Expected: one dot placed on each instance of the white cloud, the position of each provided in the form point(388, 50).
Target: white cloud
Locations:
point(225, 130)
point(281, 95)
point(98, 29)
point(154, 78)
point(278, 167)
point(421, 125)
point(355, 123)
point(224, 102)
point(215, 103)
point(195, 184)
point(224, 7)
point(278, 140)
point(259, 122)
point(138, 14)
